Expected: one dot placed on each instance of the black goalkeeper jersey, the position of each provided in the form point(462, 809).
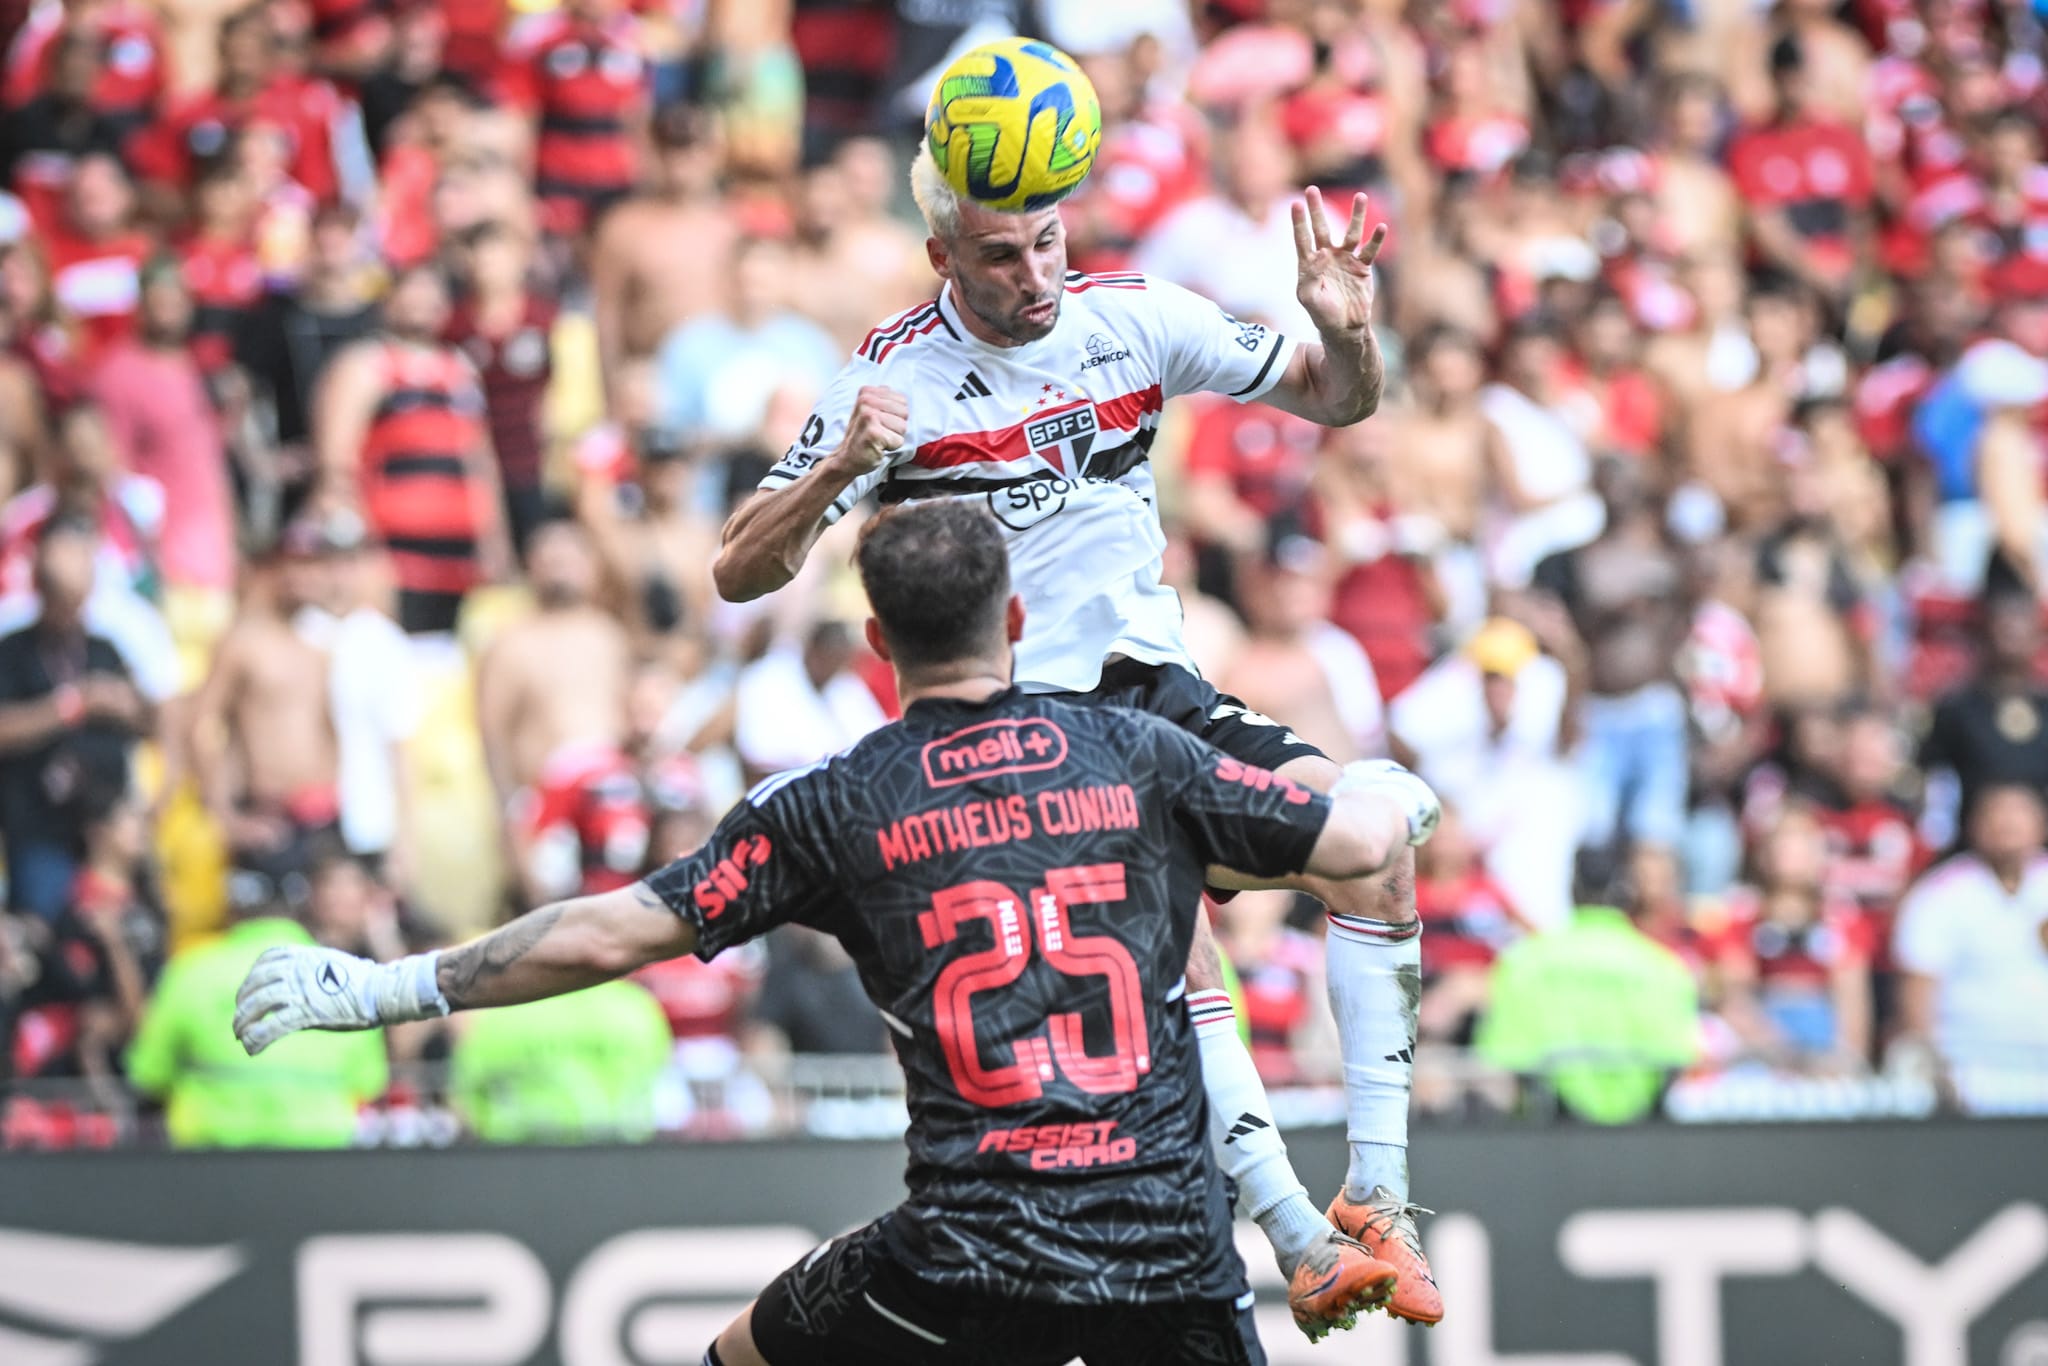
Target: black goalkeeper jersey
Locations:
point(1017, 882)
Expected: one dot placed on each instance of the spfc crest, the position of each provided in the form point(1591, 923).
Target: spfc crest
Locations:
point(1062, 437)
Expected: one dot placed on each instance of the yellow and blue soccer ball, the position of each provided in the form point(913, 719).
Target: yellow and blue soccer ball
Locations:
point(1014, 125)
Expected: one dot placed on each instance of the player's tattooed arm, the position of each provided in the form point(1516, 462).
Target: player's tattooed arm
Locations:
point(563, 947)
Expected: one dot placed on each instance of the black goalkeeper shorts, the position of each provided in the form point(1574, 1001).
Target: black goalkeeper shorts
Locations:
point(853, 1303)
point(1192, 703)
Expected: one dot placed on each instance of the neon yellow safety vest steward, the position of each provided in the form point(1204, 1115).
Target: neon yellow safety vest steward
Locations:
point(303, 1092)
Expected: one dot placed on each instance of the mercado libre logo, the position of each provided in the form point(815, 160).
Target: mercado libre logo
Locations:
point(1027, 745)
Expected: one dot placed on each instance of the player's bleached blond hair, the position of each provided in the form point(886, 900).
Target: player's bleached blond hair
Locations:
point(937, 200)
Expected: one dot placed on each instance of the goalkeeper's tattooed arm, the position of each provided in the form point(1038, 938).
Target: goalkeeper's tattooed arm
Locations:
point(549, 952)
point(563, 947)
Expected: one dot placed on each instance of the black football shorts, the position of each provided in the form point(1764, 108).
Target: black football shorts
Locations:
point(1192, 703)
point(853, 1303)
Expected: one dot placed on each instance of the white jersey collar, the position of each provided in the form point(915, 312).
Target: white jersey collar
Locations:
point(949, 310)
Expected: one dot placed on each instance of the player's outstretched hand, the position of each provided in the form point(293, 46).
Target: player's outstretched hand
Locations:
point(877, 426)
point(1387, 778)
point(1333, 279)
point(299, 986)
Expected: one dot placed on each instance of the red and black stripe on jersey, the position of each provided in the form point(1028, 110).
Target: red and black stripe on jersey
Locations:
point(1017, 882)
point(585, 82)
point(904, 328)
point(422, 500)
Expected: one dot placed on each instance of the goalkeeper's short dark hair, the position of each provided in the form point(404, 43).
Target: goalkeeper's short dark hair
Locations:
point(938, 579)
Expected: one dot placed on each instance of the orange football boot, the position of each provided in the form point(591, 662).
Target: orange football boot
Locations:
point(1384, 1224)
point(1336, 1282)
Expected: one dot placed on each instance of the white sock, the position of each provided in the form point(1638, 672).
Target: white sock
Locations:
point(1244, 1138)
point(1375, 977)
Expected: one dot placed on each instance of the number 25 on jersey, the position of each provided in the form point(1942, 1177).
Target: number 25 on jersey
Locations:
point(1015, 922)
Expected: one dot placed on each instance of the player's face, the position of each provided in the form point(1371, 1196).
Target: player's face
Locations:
point(1010, 269)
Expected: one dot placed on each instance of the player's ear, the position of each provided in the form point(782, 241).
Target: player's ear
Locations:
point(1014, 618)
point(875, 641)
point(941, 259)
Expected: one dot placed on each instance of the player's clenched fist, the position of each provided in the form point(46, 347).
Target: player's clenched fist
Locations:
point(878, 425)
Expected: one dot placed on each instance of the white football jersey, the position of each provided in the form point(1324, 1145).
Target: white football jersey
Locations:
point(1055, 435)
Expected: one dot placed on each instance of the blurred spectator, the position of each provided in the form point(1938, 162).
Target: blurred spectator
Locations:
point(542, 725)
point(58, 124)
point(851, 262)
point(654, 531)
point(1792, 961)
point(642, 288)
point(504, 324)
point(1236, 246)
point(128, 71)
point(164, 423)
point(1246, 465)
point(372, 687)
point(580, 1068)
point(1469, 920)
point(1806, 177)
point(1545, 476)
point(1488, 726)
point(1625, 594)
point(303, 1093)
point(264, 743)
point(1452, 457)
point(347, 908)
point(1602, 1013)
point(1813, 623)
point(100, 955)
point(1992, 731)
point(69, 717)
point(96, 253)
point(1973, 942)
point(1388, 595)
point(1295, 664)
point(290, 340)
point(254, 87)
point(401, 434)
point(798, 704)
point(580, 74)
point(718, 373)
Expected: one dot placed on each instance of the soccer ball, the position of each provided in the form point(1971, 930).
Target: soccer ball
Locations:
point(1014, 125)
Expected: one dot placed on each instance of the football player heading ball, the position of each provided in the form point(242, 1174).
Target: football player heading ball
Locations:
point(1039, 392)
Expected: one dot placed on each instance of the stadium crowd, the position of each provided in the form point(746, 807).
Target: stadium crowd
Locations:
point(375, 376)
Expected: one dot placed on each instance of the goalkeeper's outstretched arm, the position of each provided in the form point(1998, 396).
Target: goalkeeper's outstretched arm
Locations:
point(557, 949)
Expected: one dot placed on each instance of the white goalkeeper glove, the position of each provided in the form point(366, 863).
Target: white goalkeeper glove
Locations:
point(299, 986)
point(1385, 778)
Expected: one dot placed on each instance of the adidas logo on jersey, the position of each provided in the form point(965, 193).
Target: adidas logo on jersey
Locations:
point(972, 387)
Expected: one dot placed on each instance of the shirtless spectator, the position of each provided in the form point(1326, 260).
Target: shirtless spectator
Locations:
point(263, 740)
point(851, 265)
point(504, 323)
point(1812, 617)
point(1697, 207)
point(400, 432)
point(648, 524)
point(541, 720)
point(641, 286)
point(1452, 455)
point(1626, 594)
point(1295, 664)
